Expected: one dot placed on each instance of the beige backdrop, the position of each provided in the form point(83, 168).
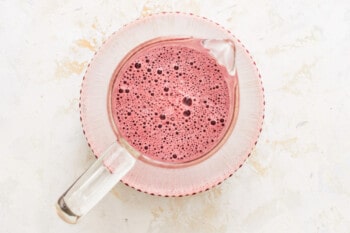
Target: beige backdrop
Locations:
point(297, 179)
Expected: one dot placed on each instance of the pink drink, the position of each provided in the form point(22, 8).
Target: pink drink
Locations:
point(172, 101)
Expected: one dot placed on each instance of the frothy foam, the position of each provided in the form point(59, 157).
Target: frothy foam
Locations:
point(171, 100)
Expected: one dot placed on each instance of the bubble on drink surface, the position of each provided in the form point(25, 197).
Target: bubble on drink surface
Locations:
point(137, 65)
point(159, 101)
point(187, 113)
point(187, 101)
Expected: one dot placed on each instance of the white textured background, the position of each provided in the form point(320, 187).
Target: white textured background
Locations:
point(297, 179)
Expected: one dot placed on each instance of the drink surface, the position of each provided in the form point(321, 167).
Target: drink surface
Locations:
point(172, 101)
